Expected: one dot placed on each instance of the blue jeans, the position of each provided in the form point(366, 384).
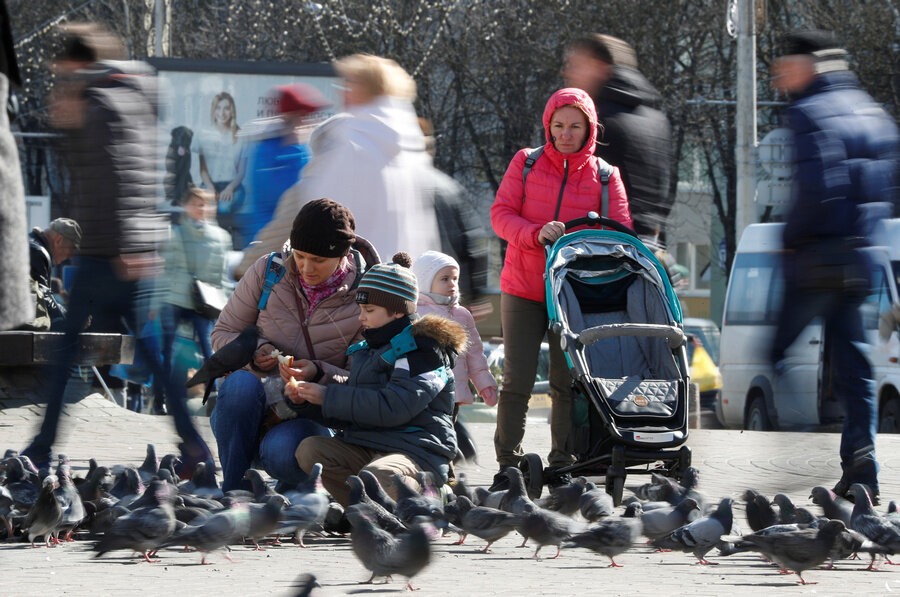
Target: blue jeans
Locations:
point(170, 316)
point(115, 305)
point(235, 422)
point(854, 383)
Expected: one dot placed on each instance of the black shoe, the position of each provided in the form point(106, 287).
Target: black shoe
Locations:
point(554, 479)
point(501, 482)
point(843, 489)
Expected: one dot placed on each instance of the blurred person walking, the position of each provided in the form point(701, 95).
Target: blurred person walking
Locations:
point(565, 182)
point(280, 156)
point(106, 110)
point(845, 158)
point(367, 159)
point(635, 135)
point(16, 303)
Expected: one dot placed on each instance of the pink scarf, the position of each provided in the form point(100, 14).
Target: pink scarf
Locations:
point(318, 293)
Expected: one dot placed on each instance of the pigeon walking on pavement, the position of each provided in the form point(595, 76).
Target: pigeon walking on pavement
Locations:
point(516, 500)
point(150, 467)
point(70, 501)
point(595, 503)
point(264, 519)
point(217, 531)
point(377, 492)
point(760, 513)
point(701, 535)
point(231, 357)
point(410, 503)
point(662, 521)
point(875, 527)
point(546, 527)
point(833, 506)
point(46, 515)
point(384, 519)
point(610, 536)
point(565, 498)
point(143, 529)
point(485, 523)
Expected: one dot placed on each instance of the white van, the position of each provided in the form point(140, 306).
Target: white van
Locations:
point(747, 399)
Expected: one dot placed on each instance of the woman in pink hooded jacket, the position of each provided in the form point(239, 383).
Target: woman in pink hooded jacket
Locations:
point(563, 184)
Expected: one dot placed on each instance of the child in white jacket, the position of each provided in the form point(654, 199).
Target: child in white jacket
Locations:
point(438, 276)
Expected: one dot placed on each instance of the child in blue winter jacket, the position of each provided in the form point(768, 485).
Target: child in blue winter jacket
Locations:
point(395, 410)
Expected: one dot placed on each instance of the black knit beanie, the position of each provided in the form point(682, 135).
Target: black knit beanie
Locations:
point(390, 285)
point(324, 228)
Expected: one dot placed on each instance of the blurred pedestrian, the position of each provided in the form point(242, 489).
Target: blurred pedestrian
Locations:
point(302, 300)
point(16, 304)
point(52, 246)
point(565, 182)
point(634, 134)
point(279, 157)
point(106, 110)
point(845, 157)
point(223, 164)
point(367, 159)
point(196, 251)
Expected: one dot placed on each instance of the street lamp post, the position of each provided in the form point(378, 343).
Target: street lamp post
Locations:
point(745, 117)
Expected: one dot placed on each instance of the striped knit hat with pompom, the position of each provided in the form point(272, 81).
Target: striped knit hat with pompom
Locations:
point(390, 285)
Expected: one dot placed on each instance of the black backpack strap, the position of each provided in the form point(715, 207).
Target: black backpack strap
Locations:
point(531, 158)
point(605, 171)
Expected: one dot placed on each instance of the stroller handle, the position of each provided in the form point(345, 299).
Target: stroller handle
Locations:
point(672, 334)
point(593, 219)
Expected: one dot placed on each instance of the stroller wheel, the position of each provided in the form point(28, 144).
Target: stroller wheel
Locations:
point(533, 474)
point(615, 485)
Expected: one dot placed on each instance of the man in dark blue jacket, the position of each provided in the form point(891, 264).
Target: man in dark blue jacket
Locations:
point(845, 158)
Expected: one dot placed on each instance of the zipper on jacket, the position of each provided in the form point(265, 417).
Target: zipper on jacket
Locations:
point(562, 188)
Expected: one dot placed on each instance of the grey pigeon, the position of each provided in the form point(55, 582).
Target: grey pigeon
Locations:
point(203, 482)
point(143, 529)
point(128, 486)
point(216, 532)
point(488, 499)
point(70, 502)
point(312, 484)
point(101, 513)
point(516, 500)
point(411, 504)
point(787, 511)
point(264, 519)
point(701, 535)
point(261, 492)
point(485, 523)
point(662, 521)
point(92, 487)
point(382, 553)
point(595, 503)
point(565, 498)
point(384, 519)
point(168, 463)
point(377, 492)
point(872, 525)
point(760, 513)
point(610, 537)
point(231, 357)
point(305, 585)
point(150, 467)
point(546, 527)
point(46, 515)
point(461, 487)
point(833, 507)
point(23, 486)
point(306, 513)
point(798, 550)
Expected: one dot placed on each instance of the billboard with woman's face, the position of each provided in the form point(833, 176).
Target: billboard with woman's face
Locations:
point(214, 115)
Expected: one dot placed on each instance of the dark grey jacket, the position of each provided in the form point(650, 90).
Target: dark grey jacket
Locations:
point(112, 161)
point(399, 396)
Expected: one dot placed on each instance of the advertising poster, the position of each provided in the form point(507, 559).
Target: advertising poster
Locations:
point(215, 114)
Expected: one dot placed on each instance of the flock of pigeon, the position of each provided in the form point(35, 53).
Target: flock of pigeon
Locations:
point(145, 510)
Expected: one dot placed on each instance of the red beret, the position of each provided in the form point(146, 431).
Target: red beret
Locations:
point(299, 97)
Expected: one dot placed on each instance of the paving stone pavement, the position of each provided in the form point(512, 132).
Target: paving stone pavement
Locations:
point(729, 461)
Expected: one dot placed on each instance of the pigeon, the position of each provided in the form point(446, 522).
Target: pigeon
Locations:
point(231, 357)
point(305, 585)
point(203, 482)
point(167, 463)
point(488, 499)
point(787, 511)
point(382, 553)
point(427, 483)
point(216, 532)
point(150, 467)
point(375, 491)
point(609, 537)
point(873, 526)
point(565, 498)
point(384, 519)
point(797, 550)
point(46, 515)
point(485, 523)
point(306, 513)
point(91, 489)
point(461, 487)
point(143, 529)
point(834, 507)
point(128, 486)
point(701, 535)
point(662, 521)
point(516, 500)
point(264, 519)
point(411, 504)
point(760, 513)
point(69, 501)
point(546, 527)
point(21, 484)
point(101, 513)
point(261, 492)
point(595, 503)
